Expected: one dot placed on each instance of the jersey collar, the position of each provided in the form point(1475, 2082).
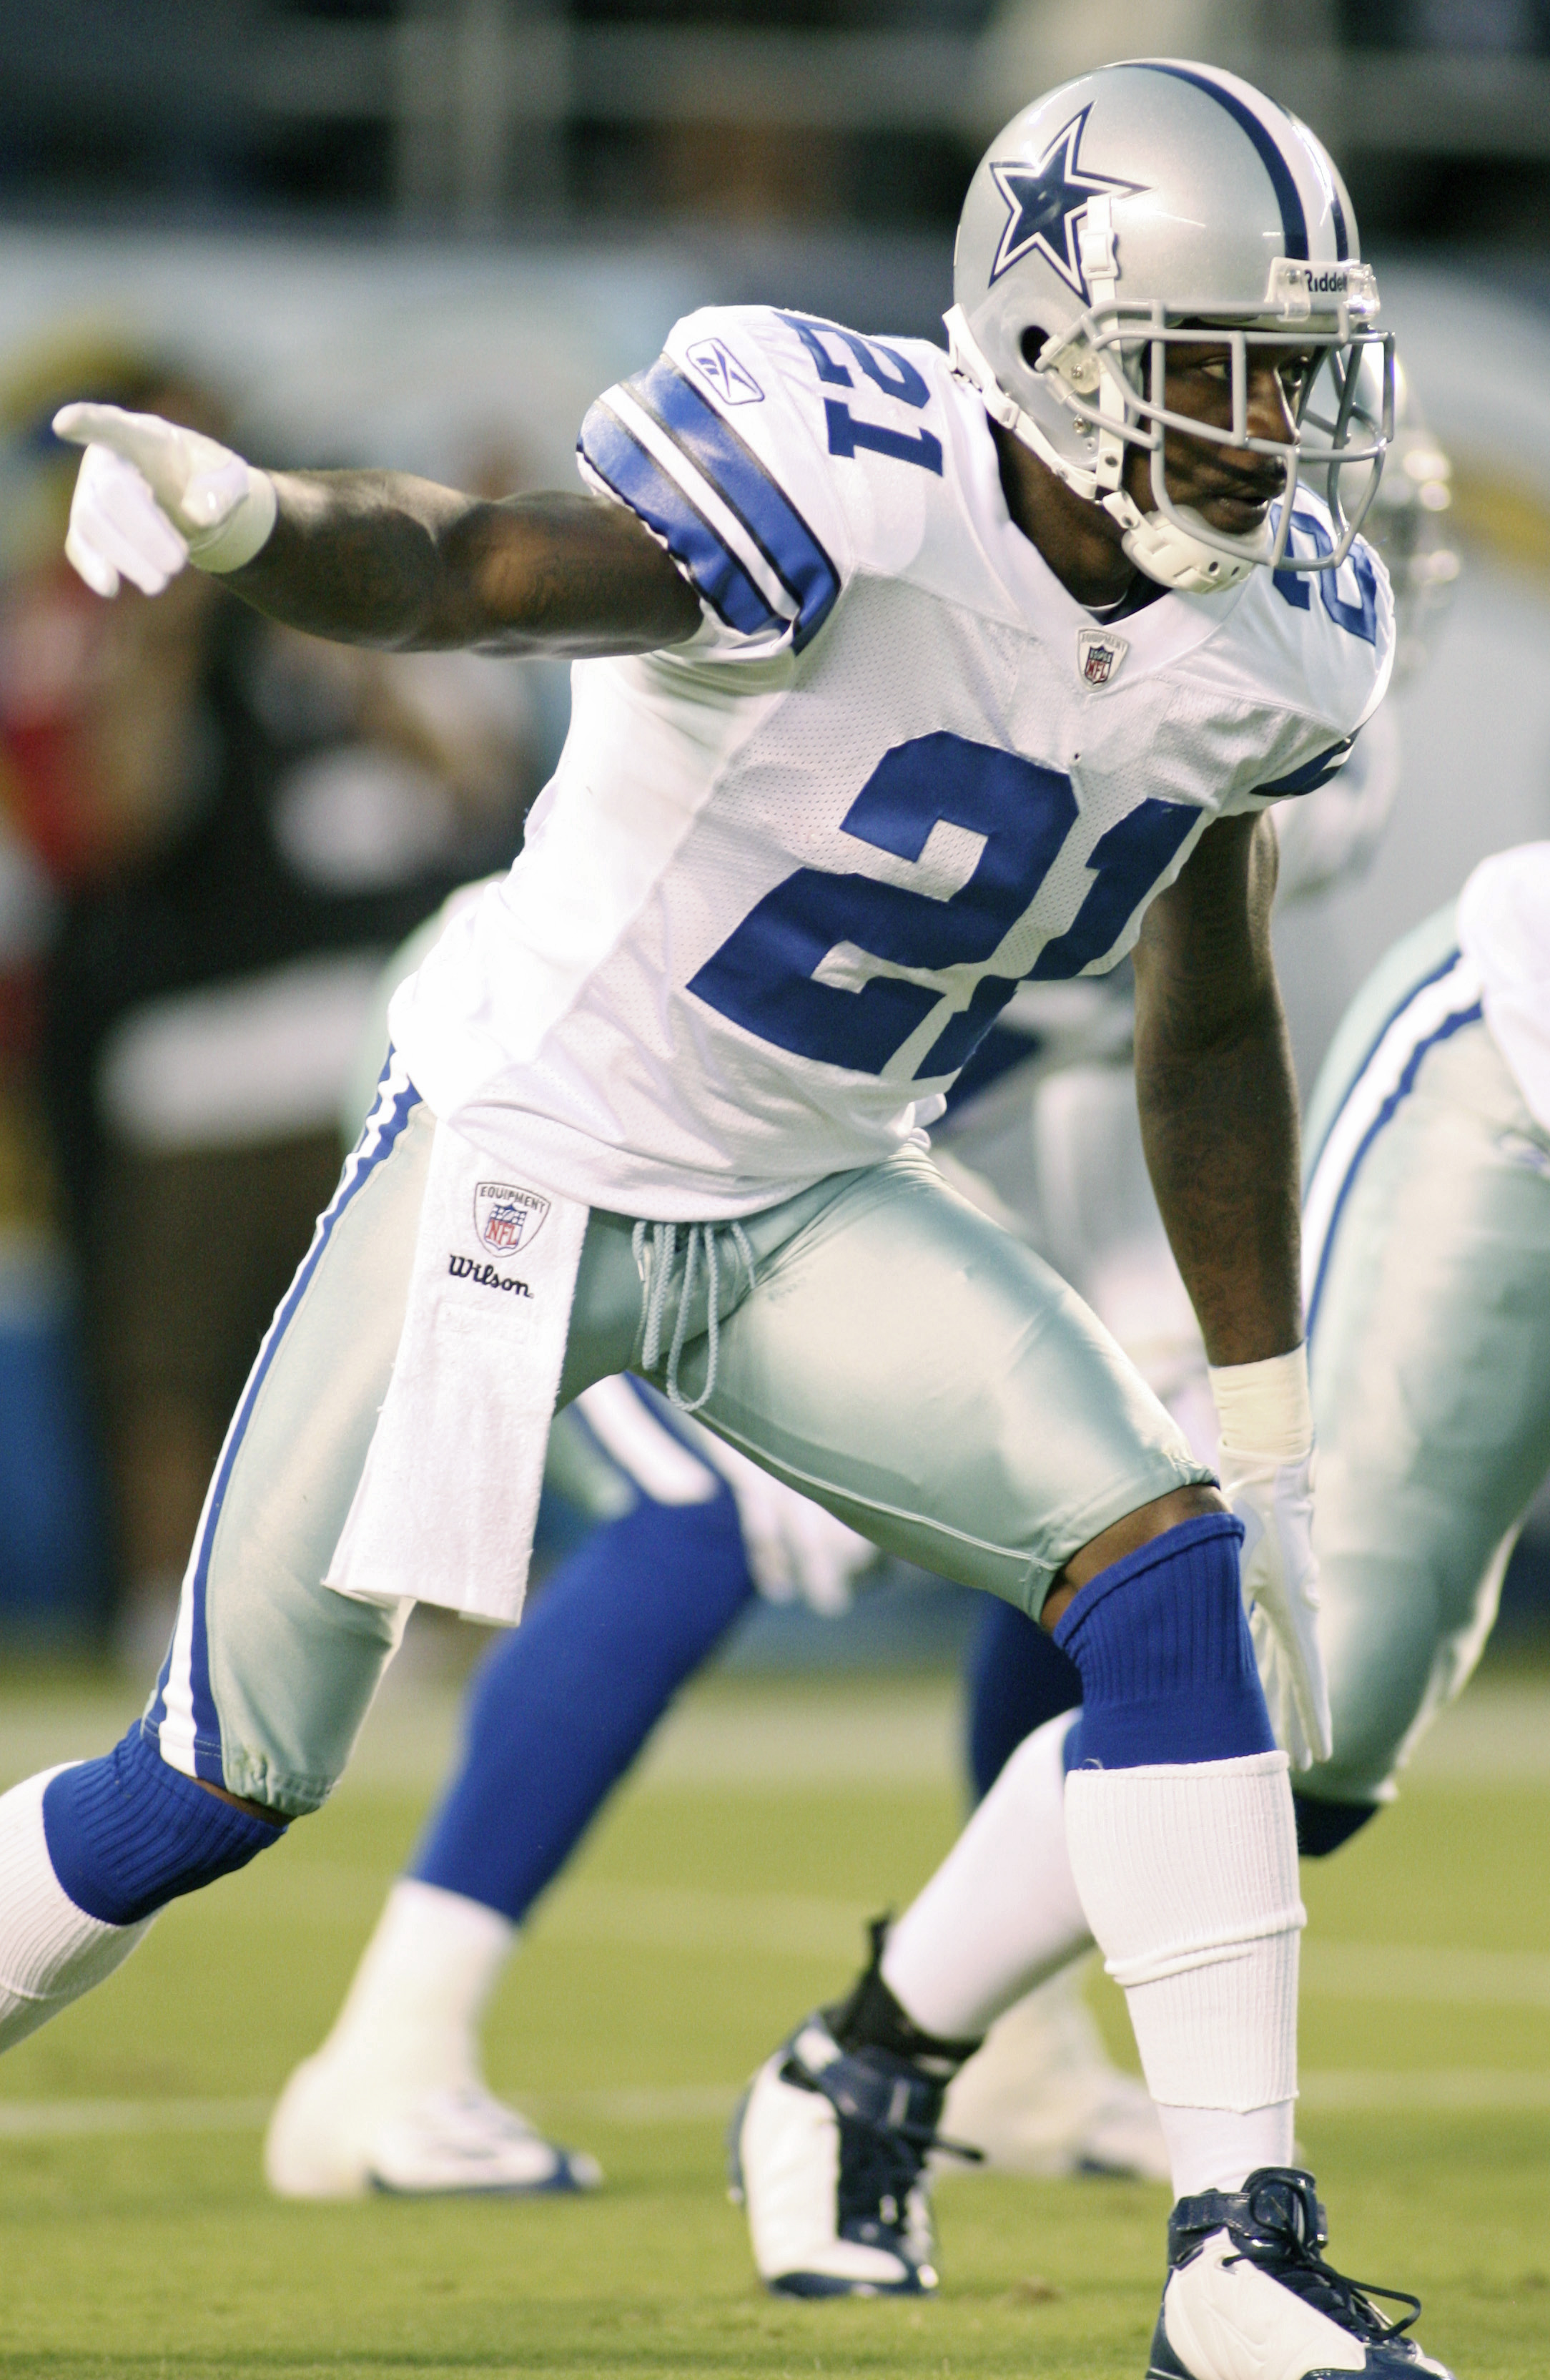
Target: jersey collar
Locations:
point(1158, 635)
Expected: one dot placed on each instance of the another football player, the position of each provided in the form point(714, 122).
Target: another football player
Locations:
point(687, 1532)
point(1427, 1278)
point(913, 676)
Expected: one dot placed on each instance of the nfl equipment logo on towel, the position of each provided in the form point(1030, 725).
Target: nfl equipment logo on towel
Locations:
point(505, 1219)
point(1098, 654)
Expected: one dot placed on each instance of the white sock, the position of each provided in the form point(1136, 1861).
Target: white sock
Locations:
point(1001, 1912)
point(1189, 1878)
point(50, 1951)
point(1217, 2148)
point(414, 2010)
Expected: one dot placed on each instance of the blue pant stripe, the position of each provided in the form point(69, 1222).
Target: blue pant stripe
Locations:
point(396, 1100)
point(1424, 983)
point(1386, 1114)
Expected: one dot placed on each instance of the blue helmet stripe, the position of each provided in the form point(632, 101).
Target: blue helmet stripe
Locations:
point(638, 480)
point(742, 483)
point(1294, 222)
point(1342, 238)
point(1330, 180)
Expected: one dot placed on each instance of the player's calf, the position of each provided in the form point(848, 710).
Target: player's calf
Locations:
point(89, 1853)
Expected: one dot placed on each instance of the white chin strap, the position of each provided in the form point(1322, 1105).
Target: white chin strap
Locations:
point(1164, 549)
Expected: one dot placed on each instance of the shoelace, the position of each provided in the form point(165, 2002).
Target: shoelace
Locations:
point(653, 1264)
point(881, 2155)
point(1299, 2266)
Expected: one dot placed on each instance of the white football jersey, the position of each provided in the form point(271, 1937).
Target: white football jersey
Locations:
point(1504, 927)
point(786, 874)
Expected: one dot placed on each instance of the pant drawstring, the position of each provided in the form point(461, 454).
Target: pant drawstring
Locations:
point(654, 1263)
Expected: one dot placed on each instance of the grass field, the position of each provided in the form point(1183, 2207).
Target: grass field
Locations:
point(722, 1897)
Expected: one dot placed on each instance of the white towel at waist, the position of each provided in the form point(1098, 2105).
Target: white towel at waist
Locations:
point(445, 1506)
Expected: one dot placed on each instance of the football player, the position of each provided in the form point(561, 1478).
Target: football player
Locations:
point(1041, 2096)
point(1427, 1281)
point(687, 1532)
point(906, 676)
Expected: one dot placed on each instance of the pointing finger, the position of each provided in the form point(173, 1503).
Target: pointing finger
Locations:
point(152, 446)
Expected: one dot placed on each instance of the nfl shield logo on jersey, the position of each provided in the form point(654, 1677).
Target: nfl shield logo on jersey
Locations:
point(505, 1219)
point(1098, 655)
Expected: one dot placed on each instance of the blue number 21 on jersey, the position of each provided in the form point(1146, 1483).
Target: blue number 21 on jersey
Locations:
point(898, 945)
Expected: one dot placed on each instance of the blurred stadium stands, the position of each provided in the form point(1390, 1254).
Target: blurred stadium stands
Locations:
point(464, 114)
point(427, 231)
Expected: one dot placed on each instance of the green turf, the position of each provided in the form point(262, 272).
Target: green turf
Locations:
point(701, 1921)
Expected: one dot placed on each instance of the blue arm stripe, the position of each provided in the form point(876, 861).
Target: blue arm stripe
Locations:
point(638, 480)
point(742, 483)
point(1316, 772)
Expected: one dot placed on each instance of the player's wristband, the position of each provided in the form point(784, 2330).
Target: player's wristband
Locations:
point(243, 532)
point(1266, 1407)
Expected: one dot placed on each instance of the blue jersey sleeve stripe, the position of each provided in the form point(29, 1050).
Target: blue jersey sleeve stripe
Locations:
point(1315, 772)
point(638, 480)
point(744, 484)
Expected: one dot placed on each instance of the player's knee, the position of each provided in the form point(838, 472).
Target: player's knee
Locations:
point(127, 1834)
point(1163, 1649)
point(1127, 1536)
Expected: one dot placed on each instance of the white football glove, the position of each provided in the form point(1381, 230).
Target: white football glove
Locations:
point(1266, 1467)
point(1275, 1502)
point(149, 497)
point(797, 1552)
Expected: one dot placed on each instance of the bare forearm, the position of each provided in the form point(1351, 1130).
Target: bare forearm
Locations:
point(1218, 1095)
point(381, 558)
point(1219, 1125)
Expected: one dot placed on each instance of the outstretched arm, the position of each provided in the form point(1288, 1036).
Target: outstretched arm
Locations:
point(1217, 1096)
point(369, 557)
point(377, 558)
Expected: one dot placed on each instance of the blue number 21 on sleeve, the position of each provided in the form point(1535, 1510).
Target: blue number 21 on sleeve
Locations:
point(887, 370)
point(764, 976)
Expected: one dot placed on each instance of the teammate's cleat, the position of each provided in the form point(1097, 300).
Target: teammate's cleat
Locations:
point(1042, 2098)
point(336, 2134)
point(827, 2154)
point(1249, 2296)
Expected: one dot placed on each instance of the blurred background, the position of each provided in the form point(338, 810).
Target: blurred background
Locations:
point(428, 232)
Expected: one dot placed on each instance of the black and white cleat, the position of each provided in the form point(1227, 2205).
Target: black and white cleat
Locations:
point(826, 2154)
point(1249, 2295)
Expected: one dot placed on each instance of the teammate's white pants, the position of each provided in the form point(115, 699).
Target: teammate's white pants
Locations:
point(1427, 1257)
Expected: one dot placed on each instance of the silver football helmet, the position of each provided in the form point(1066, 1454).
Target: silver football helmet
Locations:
point(1125, 212)
point(1408, 522)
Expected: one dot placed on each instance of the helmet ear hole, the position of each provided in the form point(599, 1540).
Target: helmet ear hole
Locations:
point(1031, 345)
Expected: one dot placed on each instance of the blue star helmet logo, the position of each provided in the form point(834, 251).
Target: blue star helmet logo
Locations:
point(1044, 203)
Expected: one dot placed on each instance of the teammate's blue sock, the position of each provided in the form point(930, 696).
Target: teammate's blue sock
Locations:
point(127, 1834)
point(1017, 1678)
point(559, 1711)
point(1165, 1655)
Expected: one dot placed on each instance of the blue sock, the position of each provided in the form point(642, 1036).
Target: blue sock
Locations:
point(558, 1712)
point(1167, 1661)
point(127, 1834)
point(1017, 1678)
